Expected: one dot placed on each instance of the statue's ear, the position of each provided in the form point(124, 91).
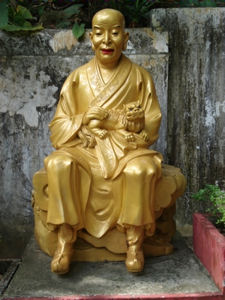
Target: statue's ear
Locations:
point(91, 38)
point(126, 38)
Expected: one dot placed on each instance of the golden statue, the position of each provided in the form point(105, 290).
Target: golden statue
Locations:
point(103, 184)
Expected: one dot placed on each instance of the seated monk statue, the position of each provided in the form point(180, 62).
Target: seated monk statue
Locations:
point(103, 175)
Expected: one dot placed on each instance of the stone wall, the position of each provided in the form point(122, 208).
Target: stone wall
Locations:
point(196, 97)
point(192, 137)
point(32, 71)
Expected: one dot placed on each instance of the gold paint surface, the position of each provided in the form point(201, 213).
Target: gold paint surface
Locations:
point(103, 177)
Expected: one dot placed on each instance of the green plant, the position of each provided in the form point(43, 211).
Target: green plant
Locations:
point(213, 196)
point(135, 11)
point(198, 3)
point(24, 15)
point(66, 15)
point(15, 17)
point(27, 15)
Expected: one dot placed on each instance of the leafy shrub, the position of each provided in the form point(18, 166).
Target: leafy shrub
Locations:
point(213, 196)
point(26, 15)
point(15, 17)
point(197, 3)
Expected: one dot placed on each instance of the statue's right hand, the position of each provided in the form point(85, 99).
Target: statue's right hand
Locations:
point(95, 113)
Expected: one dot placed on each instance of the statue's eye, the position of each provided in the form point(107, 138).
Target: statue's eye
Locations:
point(130, 108)
point(98, 33)
point(115, 33)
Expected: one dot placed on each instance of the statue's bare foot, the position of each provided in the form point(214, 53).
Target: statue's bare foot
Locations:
point(61, 260)
point(135, 259)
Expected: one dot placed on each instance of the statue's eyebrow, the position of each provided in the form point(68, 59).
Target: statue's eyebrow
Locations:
point(99, 27)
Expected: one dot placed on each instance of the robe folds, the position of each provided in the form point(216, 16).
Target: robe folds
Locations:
point(87, 187)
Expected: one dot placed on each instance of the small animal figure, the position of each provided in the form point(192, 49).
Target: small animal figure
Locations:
point(131, 118)
point(134, 120)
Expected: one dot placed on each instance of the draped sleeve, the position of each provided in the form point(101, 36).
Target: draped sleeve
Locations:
point(66, 122)
point(151, 106)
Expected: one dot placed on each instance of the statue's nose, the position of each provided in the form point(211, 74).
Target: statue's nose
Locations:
point(106, 38)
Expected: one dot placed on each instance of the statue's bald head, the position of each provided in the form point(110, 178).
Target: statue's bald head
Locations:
point(108, 37)
point(106, 13)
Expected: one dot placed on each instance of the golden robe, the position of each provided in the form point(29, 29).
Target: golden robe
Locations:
point(89, 187)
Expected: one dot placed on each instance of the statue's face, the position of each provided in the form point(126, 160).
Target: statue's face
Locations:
point(108, 37)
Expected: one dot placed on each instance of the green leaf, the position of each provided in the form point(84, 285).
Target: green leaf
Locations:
point(24, 12)
point(63, 24)
point(188, 3)
point(72, 10)
point(27, 27)
point(208, 3)
point(3, 13)
point(41, 11)
point(17, 20)
point(27, 24)
point(78, 30)
point(200, 3)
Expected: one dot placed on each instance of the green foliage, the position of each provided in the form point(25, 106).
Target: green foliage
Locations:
point(4, 13)
point(78, 30)
point(52, 16)
point(198, 3)
point(24, 15)
point(135, 11)
point(16, 17)
point(72, 10)
point(213, 195)
point(27, 15)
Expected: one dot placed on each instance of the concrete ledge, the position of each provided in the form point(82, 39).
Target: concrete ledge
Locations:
point(52, 42)
point(209, 246)
point(176, 276)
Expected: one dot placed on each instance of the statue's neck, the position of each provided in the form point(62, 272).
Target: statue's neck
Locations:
point(107, 71)
point(106, 74)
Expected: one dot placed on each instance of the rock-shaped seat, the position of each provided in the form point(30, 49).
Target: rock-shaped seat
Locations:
point(112, 246)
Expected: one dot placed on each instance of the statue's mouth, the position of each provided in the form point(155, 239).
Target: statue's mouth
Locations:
point(107, 51)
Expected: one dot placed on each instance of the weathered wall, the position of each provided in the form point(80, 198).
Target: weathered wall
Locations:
point(32, 71)
point(196, 97)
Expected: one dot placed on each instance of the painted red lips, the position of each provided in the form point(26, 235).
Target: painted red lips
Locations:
point(107, 51)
